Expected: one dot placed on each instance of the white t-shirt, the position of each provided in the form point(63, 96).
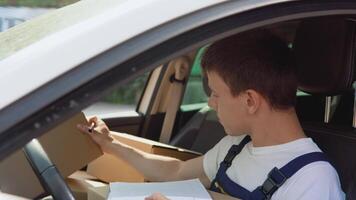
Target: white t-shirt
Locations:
point(318, 180)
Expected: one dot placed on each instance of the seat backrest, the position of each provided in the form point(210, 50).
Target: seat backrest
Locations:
point(339, 143)
point(324, 50)
point(202, 131)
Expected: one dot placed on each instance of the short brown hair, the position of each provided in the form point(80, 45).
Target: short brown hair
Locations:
point(255, 60)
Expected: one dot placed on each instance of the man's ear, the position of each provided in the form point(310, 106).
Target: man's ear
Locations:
point(253, 100)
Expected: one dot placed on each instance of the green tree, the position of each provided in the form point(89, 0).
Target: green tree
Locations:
point(130, 93)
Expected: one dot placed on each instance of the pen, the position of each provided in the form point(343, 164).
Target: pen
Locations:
point(92, 126)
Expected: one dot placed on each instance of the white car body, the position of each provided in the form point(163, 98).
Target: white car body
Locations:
point(119, 21)
point(54, 66)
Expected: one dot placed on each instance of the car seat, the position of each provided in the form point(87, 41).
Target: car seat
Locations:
point(324, 51)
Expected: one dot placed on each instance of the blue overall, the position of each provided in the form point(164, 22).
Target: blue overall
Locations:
point(276, 177)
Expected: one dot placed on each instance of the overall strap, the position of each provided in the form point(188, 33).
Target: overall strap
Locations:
point(221, 182)
point(276, 177)
point(234, 151)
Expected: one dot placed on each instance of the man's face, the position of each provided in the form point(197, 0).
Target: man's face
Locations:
point(231, 110)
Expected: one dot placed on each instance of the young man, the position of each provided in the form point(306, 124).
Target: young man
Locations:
point(265, 153)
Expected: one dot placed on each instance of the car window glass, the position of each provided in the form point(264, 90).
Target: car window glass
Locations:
point(194, 95)
point(301, 93)
point(51, 20)
point(122, 100)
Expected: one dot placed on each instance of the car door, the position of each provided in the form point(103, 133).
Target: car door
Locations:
point(42, 109)
point(196, 29)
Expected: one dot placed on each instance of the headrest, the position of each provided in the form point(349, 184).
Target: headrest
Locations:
point(324, 50)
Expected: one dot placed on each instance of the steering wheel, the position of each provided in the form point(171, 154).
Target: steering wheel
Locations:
point(47, 172)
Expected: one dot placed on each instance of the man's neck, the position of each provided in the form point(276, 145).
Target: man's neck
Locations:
point(278, 127)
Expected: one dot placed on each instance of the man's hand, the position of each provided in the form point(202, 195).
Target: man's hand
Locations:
point(100, 134)
point(156, 196)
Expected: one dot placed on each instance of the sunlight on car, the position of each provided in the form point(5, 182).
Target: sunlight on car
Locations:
point(50, 22)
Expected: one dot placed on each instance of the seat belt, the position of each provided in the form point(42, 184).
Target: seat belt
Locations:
point(177, 81)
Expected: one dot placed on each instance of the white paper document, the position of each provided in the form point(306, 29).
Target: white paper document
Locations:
point(177, 190)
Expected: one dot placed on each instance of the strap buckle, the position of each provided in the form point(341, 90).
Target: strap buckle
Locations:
point(231, 154)
point(274, 180)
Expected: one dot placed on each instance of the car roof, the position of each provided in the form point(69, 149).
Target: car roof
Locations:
point(89, 28)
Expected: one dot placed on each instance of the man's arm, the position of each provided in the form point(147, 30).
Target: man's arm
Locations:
point(157, 167)
point(153, 167)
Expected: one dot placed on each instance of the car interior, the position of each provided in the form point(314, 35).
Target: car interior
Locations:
point(326, 113)
point(323, 51)
point(324, 101)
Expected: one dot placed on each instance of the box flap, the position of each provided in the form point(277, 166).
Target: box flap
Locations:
point(131, 139)
point(68, 148)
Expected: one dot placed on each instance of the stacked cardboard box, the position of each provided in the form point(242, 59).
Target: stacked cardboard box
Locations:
point(70, 151)
point(108, 168)
point(80, 183)
point(67, 148)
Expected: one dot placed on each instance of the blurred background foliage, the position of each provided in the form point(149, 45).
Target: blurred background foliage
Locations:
point(130, 93)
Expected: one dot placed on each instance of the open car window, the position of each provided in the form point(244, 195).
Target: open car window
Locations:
point(194, 95)
point(121, 101)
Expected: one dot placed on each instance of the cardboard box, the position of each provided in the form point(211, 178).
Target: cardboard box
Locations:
point(69, 150)
point(98, 193)
point(110, 169)
point(80, 183)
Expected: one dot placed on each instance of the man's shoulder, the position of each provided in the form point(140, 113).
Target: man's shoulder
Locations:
point(318, 179)
point(319, 169)
point(299, 147)
point(320, 172)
